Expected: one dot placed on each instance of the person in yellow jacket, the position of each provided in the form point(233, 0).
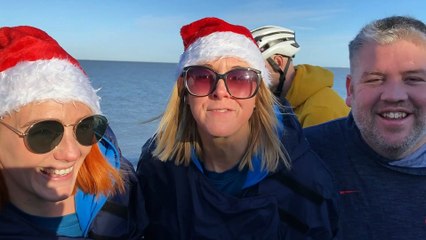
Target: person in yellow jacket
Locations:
point(307, 88)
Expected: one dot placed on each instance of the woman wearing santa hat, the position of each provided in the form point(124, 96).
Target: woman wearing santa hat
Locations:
point(229, 161)
point(61, 172)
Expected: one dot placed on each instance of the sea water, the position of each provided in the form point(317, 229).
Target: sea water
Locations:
point(134, 93)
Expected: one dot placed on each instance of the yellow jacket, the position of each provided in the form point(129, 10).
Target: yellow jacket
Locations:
point(312, 97)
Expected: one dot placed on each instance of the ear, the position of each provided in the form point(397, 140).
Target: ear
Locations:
point(280, 60)
point(349, 90)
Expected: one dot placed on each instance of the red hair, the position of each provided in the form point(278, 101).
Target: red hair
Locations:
point(97, 176)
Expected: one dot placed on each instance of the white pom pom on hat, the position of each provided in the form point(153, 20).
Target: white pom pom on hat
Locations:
point(211, 38)
point(35, 68)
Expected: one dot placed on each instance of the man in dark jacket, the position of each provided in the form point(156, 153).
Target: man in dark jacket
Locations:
point(378, 153)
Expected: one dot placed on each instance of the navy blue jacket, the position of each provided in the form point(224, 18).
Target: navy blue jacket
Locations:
point(121, 216)
point(298, 204)
point(378, 201)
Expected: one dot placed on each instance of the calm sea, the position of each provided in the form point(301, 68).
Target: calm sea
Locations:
point(135, 92)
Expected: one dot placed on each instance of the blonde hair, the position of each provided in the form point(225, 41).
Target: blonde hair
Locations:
point(94, 181)
point(177, 135)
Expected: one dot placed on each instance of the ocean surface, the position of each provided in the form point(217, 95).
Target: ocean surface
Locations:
point(133, 93)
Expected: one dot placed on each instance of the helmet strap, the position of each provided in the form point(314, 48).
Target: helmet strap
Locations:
point(278, 91)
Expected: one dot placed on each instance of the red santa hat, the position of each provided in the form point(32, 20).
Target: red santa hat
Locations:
point(35, 68)
point(211, 38)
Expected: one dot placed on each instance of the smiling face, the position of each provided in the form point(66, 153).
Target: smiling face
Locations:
point(387, 93)
point(218, 114)
point(37, 180)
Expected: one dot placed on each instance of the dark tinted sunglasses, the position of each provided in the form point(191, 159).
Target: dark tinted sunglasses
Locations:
point(44, 136)
point(241, 83)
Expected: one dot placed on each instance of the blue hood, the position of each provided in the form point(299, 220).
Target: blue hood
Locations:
point(87, 205)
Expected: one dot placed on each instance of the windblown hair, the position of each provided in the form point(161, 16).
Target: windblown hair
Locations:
point(92, 177)
point(386, 31)
point(97, 176)
point(177, 133)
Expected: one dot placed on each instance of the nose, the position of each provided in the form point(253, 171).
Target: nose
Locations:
point(68, 149)
point(220, 91)
point(394, 91)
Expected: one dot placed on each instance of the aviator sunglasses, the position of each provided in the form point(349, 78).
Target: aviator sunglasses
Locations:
point(241, 83)
point(43, 136)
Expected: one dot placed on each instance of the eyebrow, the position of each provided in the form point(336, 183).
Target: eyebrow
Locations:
point(233, 67)
point(365, 74)
point(376, 73)
point(421, 71)
point(34, 121)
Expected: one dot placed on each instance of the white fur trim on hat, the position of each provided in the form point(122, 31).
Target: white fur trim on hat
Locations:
point(224, 44)
point(35, 81)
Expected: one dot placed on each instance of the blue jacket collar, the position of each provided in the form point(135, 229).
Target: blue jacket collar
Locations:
point(87, 205)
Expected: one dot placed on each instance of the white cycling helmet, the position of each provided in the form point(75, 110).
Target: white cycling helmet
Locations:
point(276, 40)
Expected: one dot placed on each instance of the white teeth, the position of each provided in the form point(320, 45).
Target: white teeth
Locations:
point(219, 110)
point(394, 115)
point(60, 172)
